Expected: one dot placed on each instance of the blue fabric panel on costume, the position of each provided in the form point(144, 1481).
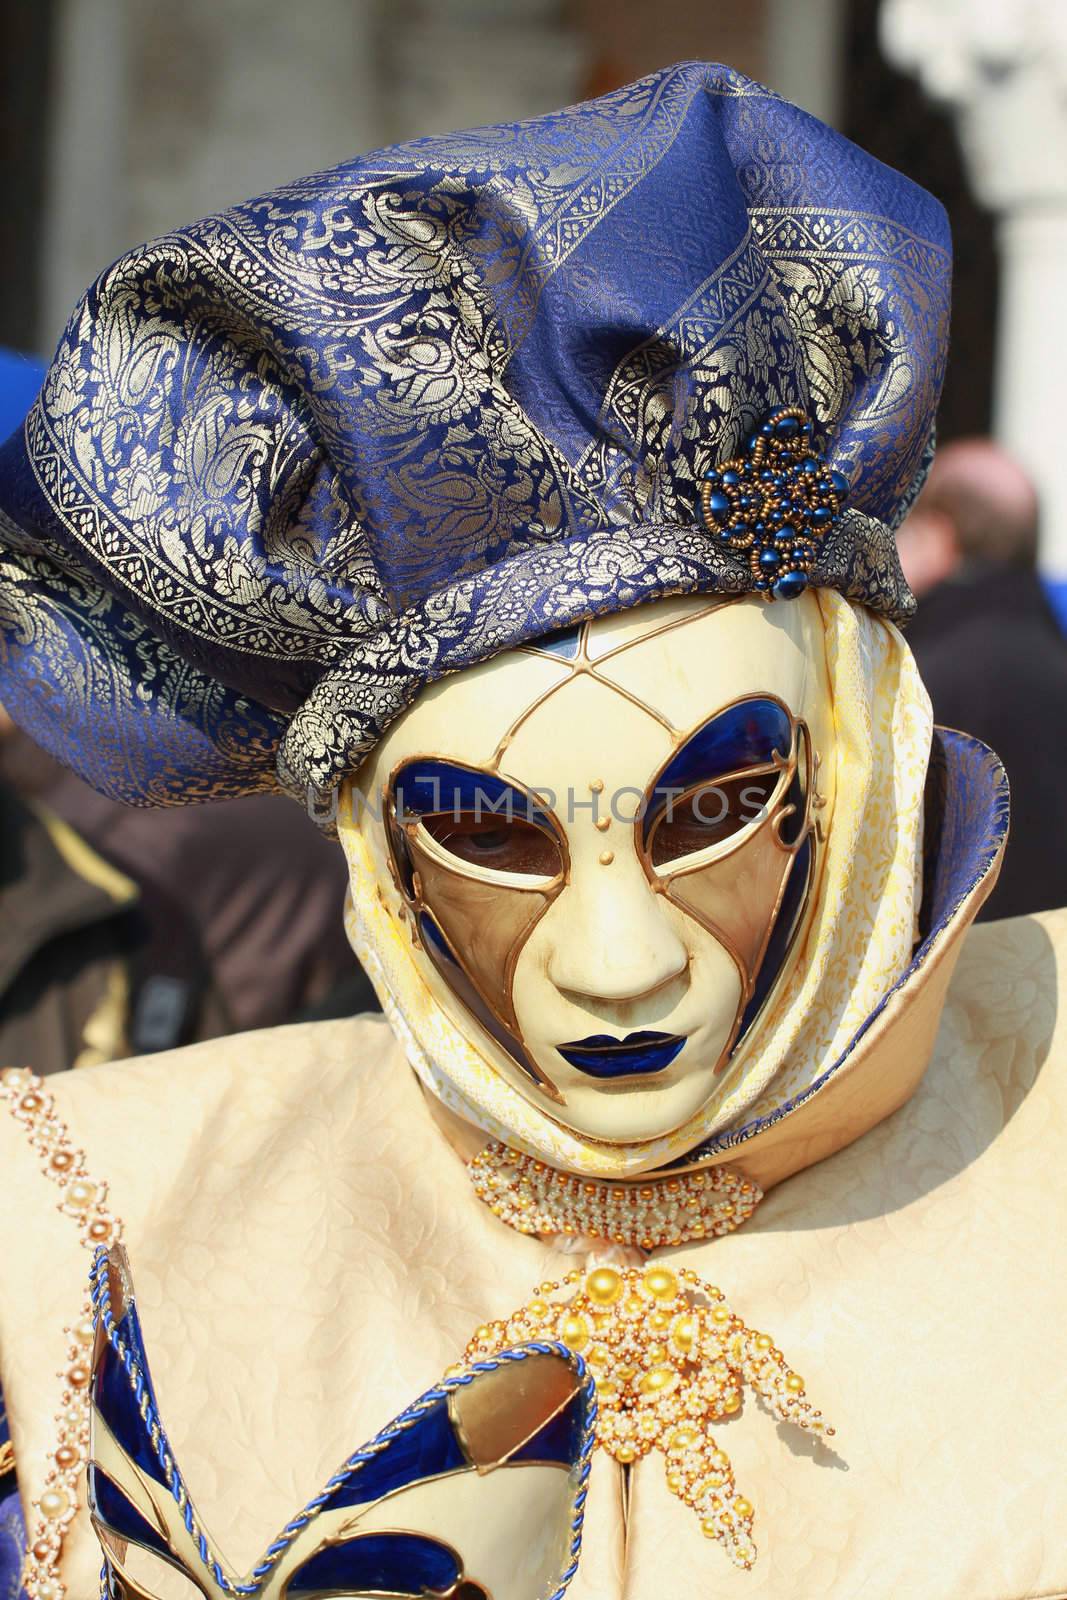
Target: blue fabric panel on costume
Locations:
point(113, 1508)
point(745, 734)
point(560, 1439)
point(12, 1543)
point(115, 1400)
point(974, 818)
point(12, 1524)
point(425, 1449)
point(392, 1563)
point(102, 695)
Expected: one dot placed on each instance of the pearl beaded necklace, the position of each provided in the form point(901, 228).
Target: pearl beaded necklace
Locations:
point(532, 1197)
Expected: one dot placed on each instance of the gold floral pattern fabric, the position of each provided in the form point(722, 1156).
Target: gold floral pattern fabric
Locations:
point(316, 451)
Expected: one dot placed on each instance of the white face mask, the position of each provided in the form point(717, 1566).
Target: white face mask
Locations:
point(607, 847)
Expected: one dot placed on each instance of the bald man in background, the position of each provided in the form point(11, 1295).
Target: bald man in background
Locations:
point(991, 651)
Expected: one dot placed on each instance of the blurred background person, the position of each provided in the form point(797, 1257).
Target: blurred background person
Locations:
point(125, 931)
point(991, 651)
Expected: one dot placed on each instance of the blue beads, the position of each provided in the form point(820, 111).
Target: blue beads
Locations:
point(773, 504)
point(790, 585)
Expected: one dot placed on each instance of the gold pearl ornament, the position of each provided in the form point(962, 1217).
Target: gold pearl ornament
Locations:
point(532, 1197)
point(669, 1358)
point(84, 1202)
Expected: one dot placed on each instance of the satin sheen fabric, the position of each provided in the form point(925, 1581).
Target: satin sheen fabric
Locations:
point(294, 461)
point(309, 1255)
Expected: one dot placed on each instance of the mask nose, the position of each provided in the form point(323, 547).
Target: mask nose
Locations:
point(613, 939)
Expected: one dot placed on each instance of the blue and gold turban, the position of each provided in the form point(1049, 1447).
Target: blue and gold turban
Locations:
point(296, 461)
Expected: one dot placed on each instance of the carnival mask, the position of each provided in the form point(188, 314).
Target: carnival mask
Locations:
point(603, 847)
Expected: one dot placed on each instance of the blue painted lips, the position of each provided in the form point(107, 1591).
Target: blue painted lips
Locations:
point(602, 1056)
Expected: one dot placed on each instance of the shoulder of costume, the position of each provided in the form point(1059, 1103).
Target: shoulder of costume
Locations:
point(151, 1109)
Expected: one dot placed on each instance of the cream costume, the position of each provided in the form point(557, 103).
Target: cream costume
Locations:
point(677, 1229)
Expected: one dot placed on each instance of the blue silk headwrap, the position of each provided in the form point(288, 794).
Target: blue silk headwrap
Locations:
point(295, 461)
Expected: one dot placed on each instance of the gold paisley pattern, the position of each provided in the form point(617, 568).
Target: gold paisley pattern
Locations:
point(332, 443)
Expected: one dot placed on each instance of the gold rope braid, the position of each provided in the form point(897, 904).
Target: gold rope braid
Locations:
point(84, 1201)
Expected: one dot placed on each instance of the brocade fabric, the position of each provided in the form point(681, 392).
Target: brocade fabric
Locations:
point(297, 460)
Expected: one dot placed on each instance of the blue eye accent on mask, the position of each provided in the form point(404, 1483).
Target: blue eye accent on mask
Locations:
point(428, 788)
point(747, 734)
point(387, 1563)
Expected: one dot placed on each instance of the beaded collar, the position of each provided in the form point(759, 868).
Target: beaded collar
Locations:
point(650, 1214)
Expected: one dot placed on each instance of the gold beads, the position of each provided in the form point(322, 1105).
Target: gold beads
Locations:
point(604, 1286)
point(660, 1283)
point(532, 1197)
point(657, 1380)
point(669, 1358)
point(574, 1332)
point(684, 1333)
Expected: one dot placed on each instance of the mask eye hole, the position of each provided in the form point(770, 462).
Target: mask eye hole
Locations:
point(499, 843)
point(709, 814)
